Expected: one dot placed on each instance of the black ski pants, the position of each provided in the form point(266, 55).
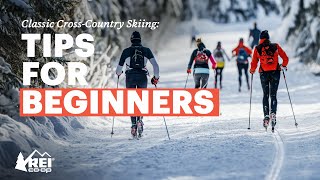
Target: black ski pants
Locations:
point(218, 73)
point(138, 80)
point(270, 83)
point(245, 68)
point(201, 79)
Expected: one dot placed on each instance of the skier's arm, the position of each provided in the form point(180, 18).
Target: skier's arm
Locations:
point(224, 52)
point(235, 51)
point(213, 62)
point(121, 63)
point(191, 60)
point(248, 50)
point(254, 62)
point(283, 55)
point(154, 63)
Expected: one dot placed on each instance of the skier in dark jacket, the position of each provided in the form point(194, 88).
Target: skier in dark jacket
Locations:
point(267, 53)
point(254, 33)
point(200, 57)
point(135, 59)
point(242, 53)
point(219, 55)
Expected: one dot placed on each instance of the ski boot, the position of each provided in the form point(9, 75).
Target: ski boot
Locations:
point(273, 120)
point(266, 122)
point(140, 127)
point(134, 131)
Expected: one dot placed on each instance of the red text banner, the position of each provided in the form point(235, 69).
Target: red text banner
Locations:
point(119, 102)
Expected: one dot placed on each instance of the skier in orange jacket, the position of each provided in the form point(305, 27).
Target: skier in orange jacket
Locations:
point(267, 53)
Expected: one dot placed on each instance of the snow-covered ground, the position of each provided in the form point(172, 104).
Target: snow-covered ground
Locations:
point(202, 147)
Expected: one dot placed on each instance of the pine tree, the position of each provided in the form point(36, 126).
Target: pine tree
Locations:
point(20, 163)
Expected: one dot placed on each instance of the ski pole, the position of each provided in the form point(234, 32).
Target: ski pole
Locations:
point(186, 81)
point(165, 123)
point(114, 116)
point(250, 100)
point(202, 87)
point(284, 77)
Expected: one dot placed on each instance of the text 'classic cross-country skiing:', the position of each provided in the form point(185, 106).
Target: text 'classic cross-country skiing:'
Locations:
point(99, 102)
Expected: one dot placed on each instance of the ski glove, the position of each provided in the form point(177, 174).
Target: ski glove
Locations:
point(189, 71)
point(154, 80)
point(252, 71)
point(283, 67)
point(119, 74)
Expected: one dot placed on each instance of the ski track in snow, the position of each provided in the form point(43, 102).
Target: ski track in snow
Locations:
point(278, 157)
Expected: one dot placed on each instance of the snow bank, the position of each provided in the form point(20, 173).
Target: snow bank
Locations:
point(22, 134)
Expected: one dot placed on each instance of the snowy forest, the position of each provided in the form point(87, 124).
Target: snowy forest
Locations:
point(300, 30)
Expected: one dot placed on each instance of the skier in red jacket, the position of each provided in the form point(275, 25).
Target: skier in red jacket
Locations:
point(267, 53)
point(242, 53)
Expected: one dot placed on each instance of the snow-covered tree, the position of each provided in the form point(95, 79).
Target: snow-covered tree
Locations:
point(301, 28)
point(224, 11)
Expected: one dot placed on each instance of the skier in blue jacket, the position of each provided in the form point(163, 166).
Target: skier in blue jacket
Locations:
point(255, 34)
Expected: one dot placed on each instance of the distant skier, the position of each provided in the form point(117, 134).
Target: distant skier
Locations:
point(135, 59)
point(200, 58)
point(267, 53)
point(254, 33)
point(219, 55)
point(242, 54)
point(194, 34)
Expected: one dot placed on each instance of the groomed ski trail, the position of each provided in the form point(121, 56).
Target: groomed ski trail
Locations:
point(278, 157)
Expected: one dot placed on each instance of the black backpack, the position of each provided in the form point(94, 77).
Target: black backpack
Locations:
point(266, 51)
point(137, 58)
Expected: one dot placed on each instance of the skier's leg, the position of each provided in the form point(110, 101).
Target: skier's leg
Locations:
point(221, 78)
point(142, 80)
point(240, 74)
point(216, 78)
point(264, 78)
point(197, 78)
point(265, 83)
point(133, 121)
point(204, 80)
point(274, 84)
point(246, 66)
point(141, 83)
point(131, 82)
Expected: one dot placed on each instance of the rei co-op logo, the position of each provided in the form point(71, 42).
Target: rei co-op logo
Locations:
point(35, 162)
